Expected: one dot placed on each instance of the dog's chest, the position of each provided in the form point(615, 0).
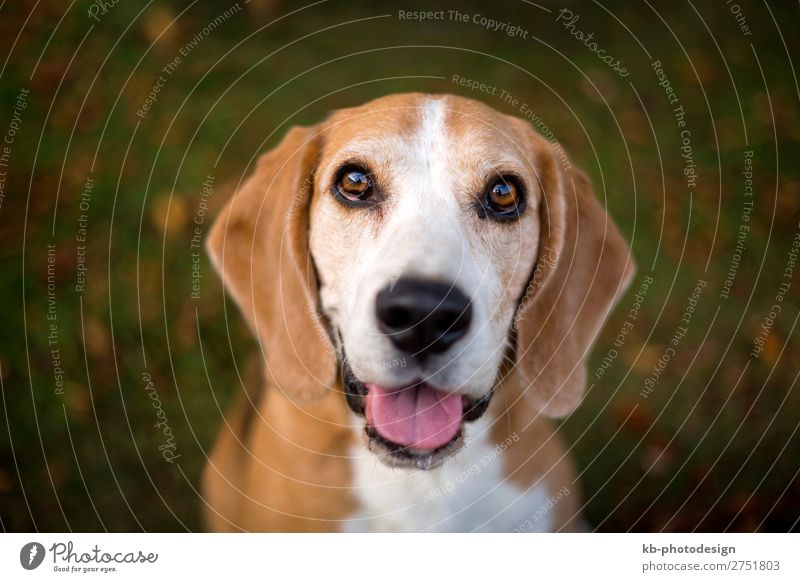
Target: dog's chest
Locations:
point(469, 492)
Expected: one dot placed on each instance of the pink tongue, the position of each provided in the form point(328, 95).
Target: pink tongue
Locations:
point(419, 417)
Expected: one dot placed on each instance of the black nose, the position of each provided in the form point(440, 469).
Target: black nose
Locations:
point(423, 317)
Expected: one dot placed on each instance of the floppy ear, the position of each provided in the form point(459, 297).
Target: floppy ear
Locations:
point(583, 266)
point(259, 245)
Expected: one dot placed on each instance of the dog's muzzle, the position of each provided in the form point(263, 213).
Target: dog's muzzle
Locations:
point(414, 426)
point(417, 424)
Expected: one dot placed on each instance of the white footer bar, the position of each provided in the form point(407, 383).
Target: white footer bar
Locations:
point(401, 557)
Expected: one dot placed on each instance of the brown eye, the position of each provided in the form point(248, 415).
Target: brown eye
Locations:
point(503, 196)
point(504, 199)
point(354, 185)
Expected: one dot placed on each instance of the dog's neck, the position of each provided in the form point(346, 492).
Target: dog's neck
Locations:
point(498, 481)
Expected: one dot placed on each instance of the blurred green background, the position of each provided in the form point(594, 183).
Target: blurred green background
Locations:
point(713, 447)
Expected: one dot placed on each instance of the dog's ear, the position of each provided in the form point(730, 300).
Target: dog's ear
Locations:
point(259, 245)
point(583, 266)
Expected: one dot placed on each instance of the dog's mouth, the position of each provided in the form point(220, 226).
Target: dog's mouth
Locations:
point(416, 425)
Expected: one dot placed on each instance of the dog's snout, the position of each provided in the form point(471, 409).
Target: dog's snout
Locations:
point(423, 317)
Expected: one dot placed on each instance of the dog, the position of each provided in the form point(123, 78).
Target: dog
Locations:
point(425, 277)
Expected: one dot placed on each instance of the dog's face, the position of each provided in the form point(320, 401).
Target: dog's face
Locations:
point(424, 231)
point(414, 245)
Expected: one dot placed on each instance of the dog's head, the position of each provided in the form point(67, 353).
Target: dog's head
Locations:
point(426, 249)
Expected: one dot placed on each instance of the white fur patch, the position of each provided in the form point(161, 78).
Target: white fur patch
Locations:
point(433, 177)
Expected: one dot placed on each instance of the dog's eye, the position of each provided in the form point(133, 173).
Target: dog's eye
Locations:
point(354, 185)
point(504, 198)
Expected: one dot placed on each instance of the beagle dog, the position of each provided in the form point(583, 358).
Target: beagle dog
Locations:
point(425, 277)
